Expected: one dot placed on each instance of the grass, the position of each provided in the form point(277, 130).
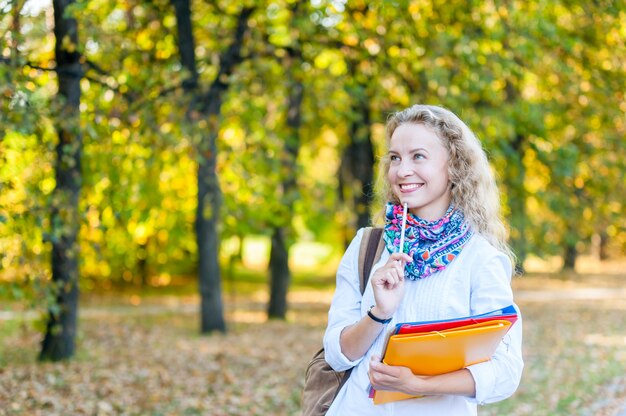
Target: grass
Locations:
point(145, 356)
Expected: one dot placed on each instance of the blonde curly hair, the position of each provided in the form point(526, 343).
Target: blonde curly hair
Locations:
point(474, 190)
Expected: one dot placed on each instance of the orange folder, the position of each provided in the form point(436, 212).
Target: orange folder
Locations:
point(440, 352)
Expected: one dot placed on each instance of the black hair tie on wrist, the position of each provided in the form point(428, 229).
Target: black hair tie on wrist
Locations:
point(375, 318)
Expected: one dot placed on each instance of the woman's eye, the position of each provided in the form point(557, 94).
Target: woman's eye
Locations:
point(418, 156)
point(394, 158)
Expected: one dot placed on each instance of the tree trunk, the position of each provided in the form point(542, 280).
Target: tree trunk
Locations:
point(207, 238)
point(603, 252)
point(357, 166)
point(186, 42)
point(363, 164)
point(569, 257)
point(58, 343)
point(280, 275)
point(142, 264)
point(515, 176)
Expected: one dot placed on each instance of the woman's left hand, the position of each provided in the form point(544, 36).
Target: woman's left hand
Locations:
point(395, 378)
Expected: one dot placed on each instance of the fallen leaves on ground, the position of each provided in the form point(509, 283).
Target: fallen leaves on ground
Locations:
point(157, 364)
point(160, 365)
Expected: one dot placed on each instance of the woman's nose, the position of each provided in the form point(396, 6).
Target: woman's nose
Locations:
point(404, 169)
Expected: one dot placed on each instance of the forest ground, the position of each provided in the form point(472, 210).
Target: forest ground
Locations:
point(144, 356)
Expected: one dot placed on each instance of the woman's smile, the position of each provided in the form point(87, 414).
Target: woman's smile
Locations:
point(409, 187)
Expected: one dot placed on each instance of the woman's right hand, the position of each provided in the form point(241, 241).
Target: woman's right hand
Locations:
point(388, 285)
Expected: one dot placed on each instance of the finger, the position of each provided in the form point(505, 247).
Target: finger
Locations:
point(397, 273)
point(392, 277)
point(376, 367)
point(381, 381)
point(383, 369)
point(399, 268)
point(397, 277)
point(400, 276)
point(394, 257)
point(402, 257)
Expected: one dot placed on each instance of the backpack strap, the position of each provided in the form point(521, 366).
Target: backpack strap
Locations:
point(370, 250)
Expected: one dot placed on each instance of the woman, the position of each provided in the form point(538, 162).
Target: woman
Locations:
point(458, 264)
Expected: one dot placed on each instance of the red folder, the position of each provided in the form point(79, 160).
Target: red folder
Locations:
point(508, 314)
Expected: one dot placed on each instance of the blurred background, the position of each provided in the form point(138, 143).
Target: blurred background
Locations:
point(198, 167)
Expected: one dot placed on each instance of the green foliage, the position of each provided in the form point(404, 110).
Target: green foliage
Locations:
point(541, 84)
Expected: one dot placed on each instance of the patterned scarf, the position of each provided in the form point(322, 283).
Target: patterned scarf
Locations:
point(431, 244)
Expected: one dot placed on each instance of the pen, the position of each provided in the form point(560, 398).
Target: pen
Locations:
point(401, 248)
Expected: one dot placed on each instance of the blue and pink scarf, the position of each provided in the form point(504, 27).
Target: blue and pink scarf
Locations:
point(431, 244)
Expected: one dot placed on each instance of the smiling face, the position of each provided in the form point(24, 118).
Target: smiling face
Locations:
point(418, 170)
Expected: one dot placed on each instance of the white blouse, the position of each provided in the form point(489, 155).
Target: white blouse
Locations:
point(477, 281)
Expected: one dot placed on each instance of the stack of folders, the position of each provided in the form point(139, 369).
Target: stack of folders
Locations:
point(438, 347)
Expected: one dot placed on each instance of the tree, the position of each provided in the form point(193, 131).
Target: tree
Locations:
point(280, 275)
point(357, 37)
point(59, 340)
point(540, 83)
point(580, 150)
point(208, 106)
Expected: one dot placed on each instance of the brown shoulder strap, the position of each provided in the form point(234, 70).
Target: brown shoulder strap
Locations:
point(370, 250)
